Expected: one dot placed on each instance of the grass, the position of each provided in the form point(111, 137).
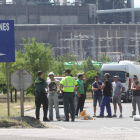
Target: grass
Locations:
point(15, 107)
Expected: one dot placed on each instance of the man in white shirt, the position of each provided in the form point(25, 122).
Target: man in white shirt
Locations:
point(53, 91)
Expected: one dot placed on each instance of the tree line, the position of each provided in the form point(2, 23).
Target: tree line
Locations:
point(38, 57)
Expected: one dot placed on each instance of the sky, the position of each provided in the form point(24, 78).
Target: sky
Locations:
point(136, 2)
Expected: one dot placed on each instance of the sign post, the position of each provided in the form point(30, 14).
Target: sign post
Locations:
point(7, 49)
point(21, 80)
point(8, 105)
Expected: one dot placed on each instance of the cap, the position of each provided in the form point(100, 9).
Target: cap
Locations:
point(106, 74)
point(135, 77)
point(116, 76)
point(67, 70)
point(39, 73)
point(51, 73)
point(96, 76)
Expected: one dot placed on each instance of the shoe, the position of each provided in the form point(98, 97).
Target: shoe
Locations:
point(66, 121)
point(114, 115)
point(94, 115)
point(100, 116)
point(120, 116)
point(108, 116)
point(72, 120)
point(76, 116)
point(58, 120)
point(46, 120)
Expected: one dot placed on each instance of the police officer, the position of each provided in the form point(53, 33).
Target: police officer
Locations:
point(41, 96)
point(68, 85)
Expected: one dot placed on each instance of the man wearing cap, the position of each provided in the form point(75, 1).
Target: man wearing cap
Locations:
point(53, 91)
point(136, 94)
point(107, 87)
point(96, 87)
point(41, 96)
point(118, 89)
point(68, 85)
point(80, 91)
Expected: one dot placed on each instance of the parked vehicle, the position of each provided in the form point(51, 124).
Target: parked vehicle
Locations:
point(125, 70)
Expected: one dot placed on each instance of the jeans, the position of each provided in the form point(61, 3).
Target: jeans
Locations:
point(105, 102)
point(81, 102)
point(95, 98)
point(69, 99)
point(135, 100)
point(53, 99)
point(41, 98)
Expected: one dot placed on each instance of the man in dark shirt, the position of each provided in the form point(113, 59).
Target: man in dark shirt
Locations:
point(136, 95)
point(97, 93)
point(107, 87)
point(41, 96)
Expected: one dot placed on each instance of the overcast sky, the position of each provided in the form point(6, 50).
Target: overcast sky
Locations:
point(137, 2)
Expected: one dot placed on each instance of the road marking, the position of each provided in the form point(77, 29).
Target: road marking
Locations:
point(119, 129)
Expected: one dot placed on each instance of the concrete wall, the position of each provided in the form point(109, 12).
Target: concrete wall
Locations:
point(29, 14)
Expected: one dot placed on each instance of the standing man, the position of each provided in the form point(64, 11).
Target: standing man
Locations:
point(41, 96)
point(118, 89)
point(80, 91)
point(67, 87)
point(136, 95)
point(96, 87)
point(107, 87)
point(53, 91)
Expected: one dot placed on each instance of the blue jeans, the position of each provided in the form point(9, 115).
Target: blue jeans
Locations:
point(95, 98)
point(53, 99)
point(105, 102)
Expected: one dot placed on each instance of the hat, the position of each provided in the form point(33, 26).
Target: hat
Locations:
point(116, 76)
point(39, 73)
point(106, 74)
point(67, 70)
point(51, 73)
point(96, 76)
point(135, 77)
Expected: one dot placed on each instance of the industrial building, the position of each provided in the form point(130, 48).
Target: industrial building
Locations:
point(117, 41)
point(85, 27)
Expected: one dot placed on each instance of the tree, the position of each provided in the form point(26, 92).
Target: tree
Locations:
point(104, 58)
point(87, 65)
point(37, 57)
point(91, 76)
point(74, 70)
point(69, 57)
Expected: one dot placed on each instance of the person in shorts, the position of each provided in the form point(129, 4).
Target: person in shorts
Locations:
point(97, 96)
point(117, 89)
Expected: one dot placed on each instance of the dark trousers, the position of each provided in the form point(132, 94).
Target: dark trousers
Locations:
point(41, 99)
point(68, 98)
point(105, 102)
point(81, 101)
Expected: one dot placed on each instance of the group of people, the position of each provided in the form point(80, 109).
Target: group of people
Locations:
point(47, 95)
point(103, 92)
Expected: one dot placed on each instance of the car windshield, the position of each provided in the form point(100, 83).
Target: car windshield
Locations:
point(121, 75)
point(58, 78)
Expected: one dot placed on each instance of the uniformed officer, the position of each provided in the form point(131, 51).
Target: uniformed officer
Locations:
point(41, 96)
point(68, 85)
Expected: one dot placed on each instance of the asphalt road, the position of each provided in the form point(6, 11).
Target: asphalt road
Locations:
point(99, 129)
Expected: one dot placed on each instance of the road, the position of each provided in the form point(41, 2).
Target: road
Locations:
point(99, 129)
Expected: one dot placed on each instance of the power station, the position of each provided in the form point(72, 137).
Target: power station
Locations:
point(83, 27)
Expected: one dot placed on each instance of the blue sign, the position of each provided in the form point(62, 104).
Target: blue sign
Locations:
point(7, 41)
